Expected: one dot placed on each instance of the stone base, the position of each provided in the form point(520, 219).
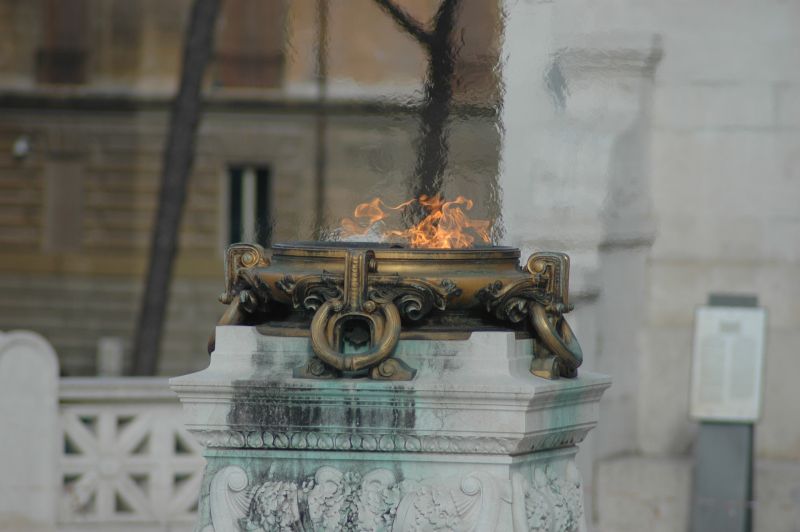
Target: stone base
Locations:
point(473, 442)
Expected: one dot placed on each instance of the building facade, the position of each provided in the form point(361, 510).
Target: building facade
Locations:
point(85, 91)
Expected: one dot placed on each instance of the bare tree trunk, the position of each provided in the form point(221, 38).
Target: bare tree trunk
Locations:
point(177, 167)
point(320, 158)
point(433, 139)
point(433, 147)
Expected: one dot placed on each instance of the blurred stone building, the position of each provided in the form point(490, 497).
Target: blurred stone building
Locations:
point(657, 143)
point(85, 87)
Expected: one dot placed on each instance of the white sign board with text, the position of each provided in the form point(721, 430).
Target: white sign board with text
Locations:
point(727, 363)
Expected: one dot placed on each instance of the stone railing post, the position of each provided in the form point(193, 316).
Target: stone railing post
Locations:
point(29, 426)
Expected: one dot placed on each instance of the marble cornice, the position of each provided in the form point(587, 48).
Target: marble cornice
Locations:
point(387, 441)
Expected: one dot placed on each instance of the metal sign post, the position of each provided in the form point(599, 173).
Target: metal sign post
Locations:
point(727, 368)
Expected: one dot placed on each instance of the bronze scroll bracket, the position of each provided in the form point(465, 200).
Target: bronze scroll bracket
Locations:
point(245, 294)
point(561, 354)
point(542, 300)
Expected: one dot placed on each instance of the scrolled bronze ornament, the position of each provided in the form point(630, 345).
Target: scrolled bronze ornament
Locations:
point(311, 291)
point(238, 258)
point(357, 300)
point(414, 298)
point(542, 298)
point(510, 302)
point(550, 272)
point(245, 294)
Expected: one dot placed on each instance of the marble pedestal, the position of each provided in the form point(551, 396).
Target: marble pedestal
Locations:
point(474, 442)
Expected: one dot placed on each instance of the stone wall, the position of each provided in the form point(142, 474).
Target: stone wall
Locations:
point(671, 182)
point(726, 154)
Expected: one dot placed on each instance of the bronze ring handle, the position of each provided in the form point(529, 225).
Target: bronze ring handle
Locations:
point(559, 338)
point(383, 347)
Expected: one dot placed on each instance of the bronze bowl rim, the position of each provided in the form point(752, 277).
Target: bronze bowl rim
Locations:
point(338, 249)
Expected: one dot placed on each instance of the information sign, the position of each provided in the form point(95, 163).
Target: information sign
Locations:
point(727, 363)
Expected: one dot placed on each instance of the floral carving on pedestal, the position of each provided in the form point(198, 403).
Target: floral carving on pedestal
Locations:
point(335, 500)
point(274, 506)
point(332, 499)
point(553, 502)
point(346, 501)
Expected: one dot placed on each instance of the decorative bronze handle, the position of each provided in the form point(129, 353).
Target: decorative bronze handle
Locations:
point(384, 319)
point(380, 314)
point(557, 337)
point(543, 299)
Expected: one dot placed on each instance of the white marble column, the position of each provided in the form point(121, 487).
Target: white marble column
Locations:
point(575, 178)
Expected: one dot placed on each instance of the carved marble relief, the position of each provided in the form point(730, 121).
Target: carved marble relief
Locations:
point(377, 501)
point(553, 503)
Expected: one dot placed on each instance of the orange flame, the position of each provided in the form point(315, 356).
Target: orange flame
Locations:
point(445, 226)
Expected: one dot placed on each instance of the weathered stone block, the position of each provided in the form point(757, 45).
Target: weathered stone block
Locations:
point(777, 494)
point(702, 106)
point(642, 493)
point(777, 434)
point(663, 415)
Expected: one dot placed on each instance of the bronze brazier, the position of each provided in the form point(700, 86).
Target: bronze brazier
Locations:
point(356, 300)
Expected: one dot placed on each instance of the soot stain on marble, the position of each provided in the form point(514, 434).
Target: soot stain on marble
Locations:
point(359, 413)
point(266, 407)
point(271, 406)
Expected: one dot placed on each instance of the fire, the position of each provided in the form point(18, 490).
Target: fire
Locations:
point(445, 226)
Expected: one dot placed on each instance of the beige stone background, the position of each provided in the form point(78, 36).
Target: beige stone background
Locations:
point(656, 142)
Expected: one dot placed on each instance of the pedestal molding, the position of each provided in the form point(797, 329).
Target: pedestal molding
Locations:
point(388, 441)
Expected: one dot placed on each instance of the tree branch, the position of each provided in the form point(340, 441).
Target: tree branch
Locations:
point(445, 16)
point(406, 21)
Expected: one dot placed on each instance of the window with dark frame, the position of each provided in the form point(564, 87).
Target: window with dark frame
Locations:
point(249, 206)
point(63, 54)
point(250, 44)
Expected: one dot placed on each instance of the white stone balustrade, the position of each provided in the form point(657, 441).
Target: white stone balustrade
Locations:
point(126, 459)
point(90, 454)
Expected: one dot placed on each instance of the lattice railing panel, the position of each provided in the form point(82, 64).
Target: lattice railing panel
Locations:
point(126, 459)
